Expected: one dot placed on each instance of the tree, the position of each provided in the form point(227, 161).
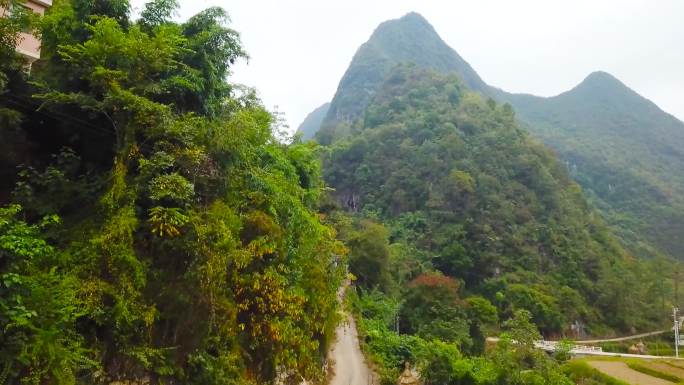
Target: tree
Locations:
point(39, 306)
point(157, 13)
point(369, 255)
point(433, 309)
point(521, 330)
point(190, 250)
point(482, 317)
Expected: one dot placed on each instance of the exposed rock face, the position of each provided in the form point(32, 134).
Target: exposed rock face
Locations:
point(312, 122)
point(408, 377)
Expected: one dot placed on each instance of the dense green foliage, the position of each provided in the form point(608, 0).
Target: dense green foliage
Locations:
point(463, 190)
point(442, 362)
point(160, 231)
point(11, 77)
point(624, 151)
point(410, 39)
point(621, 148)
point(154, 228)
point(463, 227)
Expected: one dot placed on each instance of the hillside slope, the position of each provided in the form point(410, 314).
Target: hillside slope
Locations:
point(158, 231)
point(621, 148)
point(626, 153)
point(459, 183)
point(408, 39)
point(312, 122)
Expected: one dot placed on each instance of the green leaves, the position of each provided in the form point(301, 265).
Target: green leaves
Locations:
point(39, 306)
point(166, 222)
point(191, 249)
point(19, 240)
point(158, 12)
point(496, 209)
point(521, 330)
point(442, 362)
point(171, 187)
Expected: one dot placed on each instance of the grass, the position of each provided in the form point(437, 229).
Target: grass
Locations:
point(582, 373)
point(678, 366)
point(639, 367)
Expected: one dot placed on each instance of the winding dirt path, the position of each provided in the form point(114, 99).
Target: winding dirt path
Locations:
point(349, 364)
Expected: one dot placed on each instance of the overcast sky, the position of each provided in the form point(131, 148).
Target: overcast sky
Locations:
point(300, 49)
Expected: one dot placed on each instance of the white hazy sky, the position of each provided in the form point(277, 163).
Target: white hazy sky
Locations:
point(300, 49)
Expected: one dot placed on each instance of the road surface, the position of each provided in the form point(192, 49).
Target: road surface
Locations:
point(349, 364)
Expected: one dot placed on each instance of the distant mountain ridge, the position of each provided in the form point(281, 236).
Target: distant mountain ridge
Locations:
point(312, 122)
point(625, 152)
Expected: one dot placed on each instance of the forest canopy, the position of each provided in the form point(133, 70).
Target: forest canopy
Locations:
point(460, 221)
point(153, 227)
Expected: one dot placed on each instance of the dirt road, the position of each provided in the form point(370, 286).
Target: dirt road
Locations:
point(621, 371)
point(350, 366)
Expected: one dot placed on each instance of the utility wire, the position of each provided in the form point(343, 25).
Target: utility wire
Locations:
point(30, 104)
point(51, 113)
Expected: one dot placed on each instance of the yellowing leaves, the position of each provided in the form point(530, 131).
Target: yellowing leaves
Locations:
point(166, 222)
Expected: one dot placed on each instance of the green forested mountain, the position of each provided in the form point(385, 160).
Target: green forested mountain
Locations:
point(312, 122)
point(455, 177)
point(409, 39)
point(626, 152)
point(461, 220)
point(621, 148)
point(152, 228)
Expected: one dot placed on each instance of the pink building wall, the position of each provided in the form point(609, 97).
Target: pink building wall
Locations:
point(29, 45)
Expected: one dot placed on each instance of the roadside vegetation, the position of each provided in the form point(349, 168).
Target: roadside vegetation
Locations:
point(153, 225)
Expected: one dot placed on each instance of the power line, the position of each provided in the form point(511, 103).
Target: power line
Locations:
point(52, 113)
point(56, 115)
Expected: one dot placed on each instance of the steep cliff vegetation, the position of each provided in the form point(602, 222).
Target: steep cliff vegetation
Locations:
point(152, 228)
point(455, 177)
point(410, 39)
